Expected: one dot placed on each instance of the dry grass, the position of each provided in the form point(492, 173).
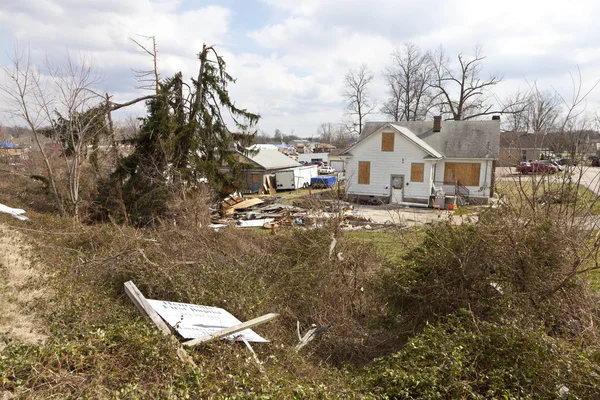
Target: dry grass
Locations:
point(19, 289)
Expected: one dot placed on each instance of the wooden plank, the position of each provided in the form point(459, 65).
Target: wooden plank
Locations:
point(232, 329)
point(416, 172)
point(243, 204)
point(467, 173)
point(387, 141)
point(364, 172)
point(144, 307)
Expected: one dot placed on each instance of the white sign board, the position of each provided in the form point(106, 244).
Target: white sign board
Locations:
point(193, 321)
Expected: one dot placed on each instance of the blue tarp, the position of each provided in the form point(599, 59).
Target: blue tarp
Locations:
point(7, 145)
point(325, 180)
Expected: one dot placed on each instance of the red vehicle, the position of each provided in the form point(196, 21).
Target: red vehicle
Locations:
point(544, 167)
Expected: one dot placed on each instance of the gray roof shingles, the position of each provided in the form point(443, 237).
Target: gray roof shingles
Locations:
point(457, 139)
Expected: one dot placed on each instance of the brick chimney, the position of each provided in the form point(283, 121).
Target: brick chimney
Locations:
point(437, 123)
point(495, 118)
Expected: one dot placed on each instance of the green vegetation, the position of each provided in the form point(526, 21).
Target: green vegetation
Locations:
point(555, 193)
point(497, 308)
point(463, 359)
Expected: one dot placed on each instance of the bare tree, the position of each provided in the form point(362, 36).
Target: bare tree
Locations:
point(518, 104)
point(409, 79)
point(462, 92)
point(278, 136)
point(533, 111)
point(149, 79)
point(358, 98)
point(22, 89)
point(545, 109)
point(326, 132)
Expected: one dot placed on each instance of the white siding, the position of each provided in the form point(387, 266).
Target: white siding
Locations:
point(384, 164)
point(485, 176)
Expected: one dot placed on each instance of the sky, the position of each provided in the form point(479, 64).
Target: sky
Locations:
point(290, 56)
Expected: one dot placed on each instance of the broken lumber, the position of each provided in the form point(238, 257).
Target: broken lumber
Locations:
point(232, 329)
point(145, 308)
point(243, 204)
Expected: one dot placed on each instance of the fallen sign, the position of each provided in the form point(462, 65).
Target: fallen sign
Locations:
point(15, 212)
point(196, 322)
point(192, 321)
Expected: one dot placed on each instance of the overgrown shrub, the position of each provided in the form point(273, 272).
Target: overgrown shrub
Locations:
point(462, 359)
point(499, 267)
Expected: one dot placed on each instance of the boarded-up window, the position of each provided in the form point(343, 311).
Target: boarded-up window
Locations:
point(255, 178)
point(364, 172)
point(467, 174)
point(416, 172)
point(387, 141)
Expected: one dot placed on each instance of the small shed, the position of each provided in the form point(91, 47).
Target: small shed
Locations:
point(263, 165)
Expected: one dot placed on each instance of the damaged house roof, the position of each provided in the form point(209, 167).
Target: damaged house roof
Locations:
point(456, 139)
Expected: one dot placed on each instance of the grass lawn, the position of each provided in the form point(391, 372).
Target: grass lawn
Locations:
point(516, 192)
point(392, 246)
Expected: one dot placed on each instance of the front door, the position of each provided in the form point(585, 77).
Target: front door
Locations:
point(397, 187)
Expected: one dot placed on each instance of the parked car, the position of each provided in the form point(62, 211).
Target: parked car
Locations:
point(545, 167)
point(558, 166)
point(595, 161)
point(568, 161)
point(325, 170)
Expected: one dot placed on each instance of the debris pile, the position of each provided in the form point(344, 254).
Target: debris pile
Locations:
point(270, 213)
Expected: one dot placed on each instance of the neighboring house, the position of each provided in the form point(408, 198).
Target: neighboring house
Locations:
point(324, 148)
point(303, 146)
point(336, 161)
point(410, 161)
point(313, 158)
point(517, 147)
point(262, 166)
point(10, 149)
point(287, 149)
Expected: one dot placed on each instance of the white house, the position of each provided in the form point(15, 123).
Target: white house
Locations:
point(410, 161)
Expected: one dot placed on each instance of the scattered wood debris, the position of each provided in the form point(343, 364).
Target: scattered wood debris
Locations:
point(267, 212)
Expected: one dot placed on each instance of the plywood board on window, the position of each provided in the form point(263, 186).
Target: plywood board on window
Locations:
point(466, 173)
point(255, 178)
point(416, 172)
point(364, 172)
point(387, 141)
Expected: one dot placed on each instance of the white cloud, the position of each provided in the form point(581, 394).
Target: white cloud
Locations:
point(291, 69)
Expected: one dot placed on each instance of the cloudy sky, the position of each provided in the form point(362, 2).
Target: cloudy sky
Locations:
point(290, 56)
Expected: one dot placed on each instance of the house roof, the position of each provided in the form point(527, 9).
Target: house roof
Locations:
point(456, 139)
point(431, 152)
point(272, 159)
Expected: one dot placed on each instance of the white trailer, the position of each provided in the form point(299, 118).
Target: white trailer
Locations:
point(295, 178)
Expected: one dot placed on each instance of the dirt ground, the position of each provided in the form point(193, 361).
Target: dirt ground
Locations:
point(17, 290)
point(389, 214)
